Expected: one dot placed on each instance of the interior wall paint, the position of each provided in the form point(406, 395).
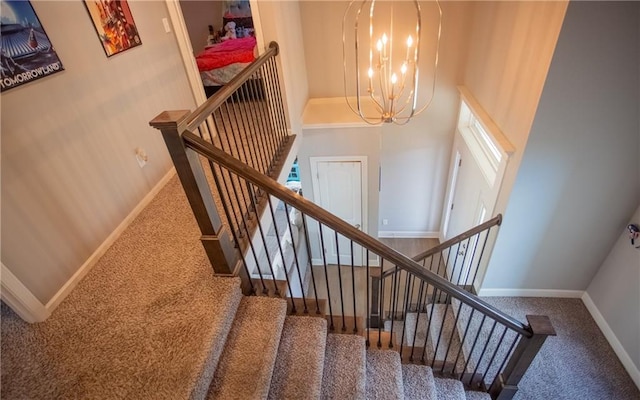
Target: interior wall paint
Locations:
point(615, 292)
point(291, 57)
point(510, 49)
point(353, 142)
point(198, 15)
point(69, 174)
point(414, 158)
point(579, 179)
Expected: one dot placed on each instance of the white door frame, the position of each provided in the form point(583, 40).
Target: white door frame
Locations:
point(363, 184)
point(184, 44)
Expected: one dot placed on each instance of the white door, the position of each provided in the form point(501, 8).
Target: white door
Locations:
point(338, 185)
point(467, 210)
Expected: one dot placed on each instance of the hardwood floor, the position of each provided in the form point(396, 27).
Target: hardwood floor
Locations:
point(410, 246)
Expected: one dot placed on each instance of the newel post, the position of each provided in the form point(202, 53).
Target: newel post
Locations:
point(505, 385)
point(216, 241)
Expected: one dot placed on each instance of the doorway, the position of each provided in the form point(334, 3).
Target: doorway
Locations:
point(339, 186)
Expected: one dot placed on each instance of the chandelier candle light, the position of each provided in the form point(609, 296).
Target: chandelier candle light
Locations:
point(392, 75)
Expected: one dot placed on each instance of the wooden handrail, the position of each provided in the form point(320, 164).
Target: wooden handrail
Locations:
point(497, 220)
point(200, 114)
point(307, 207)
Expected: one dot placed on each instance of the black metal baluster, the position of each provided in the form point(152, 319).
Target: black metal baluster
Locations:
point(268, 90)
point(353, 290)
point(344, 324)
point(504, 361)
point(473, 346)
point(464, 259)
point(407, 282)
point(394, 295)
point(381, 316)
point(326, 275)
point(495, 352)
point(280, 105)
point(464, 337)
point(310, 263)
point(295, 258)
point(418, 312)
point(255, 132)
point(244, 206)
point(249, 155)
point(484, 349)
point(453, 332)
point(284, 265)
point(484, 245)
point(264, 242)
point(368, 280)
point(471, 263)
point(426, 337)
point(444, 317)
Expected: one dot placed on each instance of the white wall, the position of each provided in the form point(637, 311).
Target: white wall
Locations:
point(69, 174)
point(615, 291)
point(353, 142)
point(579, 179)
point(273, 15)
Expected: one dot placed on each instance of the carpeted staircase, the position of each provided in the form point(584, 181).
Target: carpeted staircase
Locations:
point(271, 355)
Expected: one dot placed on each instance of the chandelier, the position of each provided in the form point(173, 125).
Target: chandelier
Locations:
point(384, 64)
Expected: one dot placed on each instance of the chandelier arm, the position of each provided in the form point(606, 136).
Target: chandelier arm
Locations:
point(344, 60)
point(435, 63)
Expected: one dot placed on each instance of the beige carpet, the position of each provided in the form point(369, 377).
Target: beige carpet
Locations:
point(148, 321)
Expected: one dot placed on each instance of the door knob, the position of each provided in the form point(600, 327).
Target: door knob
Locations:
point(357, 226)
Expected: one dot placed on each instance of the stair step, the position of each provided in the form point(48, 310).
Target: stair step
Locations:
point(346, 326)
point(450, 389)
point(473, 395)
point(246, 365)
point(298, 370)
point(277, 289)
point(384, 375)
point(419, 383)
point(313, 307)
point(344, 374)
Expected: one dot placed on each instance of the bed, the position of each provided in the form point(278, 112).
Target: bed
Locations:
point(219, 63)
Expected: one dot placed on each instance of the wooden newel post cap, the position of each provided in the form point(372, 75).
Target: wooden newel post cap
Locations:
point(169, 119)
point(541, 325)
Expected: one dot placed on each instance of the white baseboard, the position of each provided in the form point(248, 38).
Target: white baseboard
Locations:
point(622, 354)
point(409, 234)
point(20, 299)
point(99, 252)
point(568, 294)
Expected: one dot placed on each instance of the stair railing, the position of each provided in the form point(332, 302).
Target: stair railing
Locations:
point(282, 244)
point(493, 348)
point(246, 119)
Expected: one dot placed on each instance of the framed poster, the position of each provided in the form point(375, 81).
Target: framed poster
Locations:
point(114, 25)
point(26, 52)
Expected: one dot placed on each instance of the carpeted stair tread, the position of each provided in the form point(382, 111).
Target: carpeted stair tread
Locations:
point(419, 383)
point(246, 366)
point(298, 370)
point(473, 395)
point(384, 375)
point(449, 389)
point(344, 373)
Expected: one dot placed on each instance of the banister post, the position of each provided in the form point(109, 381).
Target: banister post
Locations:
point(505, 385)
point(216, 241)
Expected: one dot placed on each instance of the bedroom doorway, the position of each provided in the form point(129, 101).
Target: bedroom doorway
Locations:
point(186, 48)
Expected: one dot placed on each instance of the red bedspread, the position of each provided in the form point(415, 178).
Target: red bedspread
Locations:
point(228, 52)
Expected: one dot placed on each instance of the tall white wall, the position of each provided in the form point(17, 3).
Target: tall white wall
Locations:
point(615, 291)
point(69, 174)
point(281, 22)
point(579, 179)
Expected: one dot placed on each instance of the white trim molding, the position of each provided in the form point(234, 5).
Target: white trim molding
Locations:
point(567, 294)
point(20, 299)
point(99, 252)
point(611, 337)
point(409, 234)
